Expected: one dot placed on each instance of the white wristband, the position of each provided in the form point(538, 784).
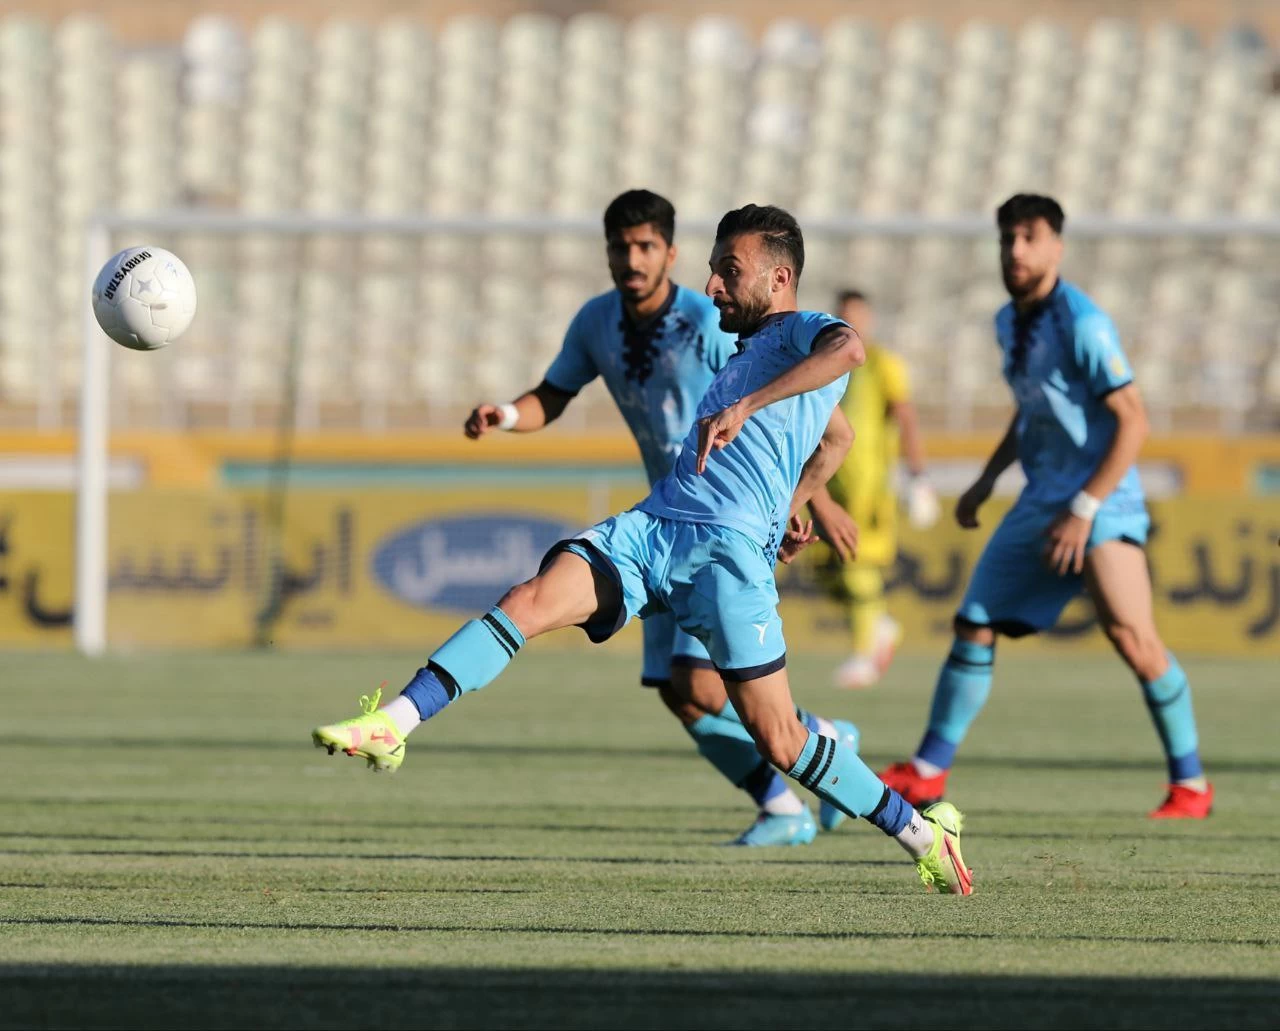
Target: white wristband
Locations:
point(1085, 506)
point(510, 416)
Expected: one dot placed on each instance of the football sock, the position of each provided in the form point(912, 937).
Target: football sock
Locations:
point(1169, 700)
point(468, 661)
point(403, 713)
point(724, 742)
point(916, 835)
point(963, 685)
point(816, 724)
point(837, 775)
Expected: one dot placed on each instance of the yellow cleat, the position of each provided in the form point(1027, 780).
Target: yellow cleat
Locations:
point(371, 736)
point(943, 869)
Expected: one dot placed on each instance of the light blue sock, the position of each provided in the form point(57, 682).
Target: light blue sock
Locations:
point(835, 774)
point(724, 742)
point(468, 661)
point(1169, 701)
point(963, 685)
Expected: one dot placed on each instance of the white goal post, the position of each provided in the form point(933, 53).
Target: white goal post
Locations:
point(91, 573)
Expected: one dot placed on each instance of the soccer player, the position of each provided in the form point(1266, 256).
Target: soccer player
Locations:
point(878, 406)
point(701, 546)
point(657, 346)
point(1080, 522)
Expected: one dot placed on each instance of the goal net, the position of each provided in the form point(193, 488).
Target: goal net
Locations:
point(290, 471)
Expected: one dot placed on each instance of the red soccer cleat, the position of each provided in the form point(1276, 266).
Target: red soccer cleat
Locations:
point(920, 791)
point(1184, 803)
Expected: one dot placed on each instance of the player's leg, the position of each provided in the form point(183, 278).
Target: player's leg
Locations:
point(728, 598)
point(837, 775)
point(875, 634)
point(1119, 581)
point(1011, 592)
point(677, 665)
point(579, 585)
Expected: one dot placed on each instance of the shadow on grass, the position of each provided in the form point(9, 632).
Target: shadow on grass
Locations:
point(306, 997)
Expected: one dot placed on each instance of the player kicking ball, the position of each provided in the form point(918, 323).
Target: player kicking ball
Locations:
point(657, 346)
point(701, 546)
point(1080, 522)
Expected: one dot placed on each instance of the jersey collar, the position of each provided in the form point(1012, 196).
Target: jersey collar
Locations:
point(768, 320)
point(656, 317)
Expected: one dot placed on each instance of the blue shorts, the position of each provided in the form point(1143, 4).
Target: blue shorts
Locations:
point(714, 582)
point(1013, 591)
point(666, 645)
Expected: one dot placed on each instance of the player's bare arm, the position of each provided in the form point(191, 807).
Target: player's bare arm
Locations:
point(531, 411)
point(1068, 537)
point(833, 522)
point(1005, 454)
point(836, 352)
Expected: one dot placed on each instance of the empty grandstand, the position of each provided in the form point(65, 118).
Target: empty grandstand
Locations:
point(532, 115)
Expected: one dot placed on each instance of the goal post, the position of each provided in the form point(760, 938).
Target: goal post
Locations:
point(931, 282)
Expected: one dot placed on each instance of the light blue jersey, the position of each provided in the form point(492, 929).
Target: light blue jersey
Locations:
point(748, 485)
point(1062, 358)
point(657, 371)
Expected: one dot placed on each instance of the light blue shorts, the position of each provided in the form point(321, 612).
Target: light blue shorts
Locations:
point(1013, 590)
point(714, 582)
point(666, 645)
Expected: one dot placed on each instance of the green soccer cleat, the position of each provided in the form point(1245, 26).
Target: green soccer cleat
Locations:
point(371, 736)
point(943, 869)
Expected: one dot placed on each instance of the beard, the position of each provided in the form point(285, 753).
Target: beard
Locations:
point(639, 293)
point(1024, 288)
point(745, 315)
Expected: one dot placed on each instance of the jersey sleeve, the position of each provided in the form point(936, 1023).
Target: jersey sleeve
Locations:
point(895, 381)
point(807, 326)
point(573, 368)
point(1099, 357)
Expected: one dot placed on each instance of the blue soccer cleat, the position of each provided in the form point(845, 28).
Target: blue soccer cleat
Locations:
point(773, 829)
point(828, 815)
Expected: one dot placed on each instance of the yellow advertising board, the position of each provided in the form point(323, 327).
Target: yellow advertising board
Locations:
point(395, 568)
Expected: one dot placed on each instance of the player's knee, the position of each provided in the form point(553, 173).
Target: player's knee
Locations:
point(701, 687)
point(521, 604)
point(1140, 647)
point(679, 703)
point(779, 740)
point(974, 633)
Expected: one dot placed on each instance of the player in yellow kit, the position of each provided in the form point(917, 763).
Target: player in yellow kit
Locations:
point(878, 405)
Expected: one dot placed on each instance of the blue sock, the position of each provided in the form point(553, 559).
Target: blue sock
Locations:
point(835, 774)
point(468, 661)
point(963, 685)
point(724, 742)
point(1169, 700)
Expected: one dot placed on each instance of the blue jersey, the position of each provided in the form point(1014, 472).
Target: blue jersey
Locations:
point(748, 485)
point(657, 370)
point(1062, 358)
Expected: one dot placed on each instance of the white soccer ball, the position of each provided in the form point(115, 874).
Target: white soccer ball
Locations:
point(144, 298)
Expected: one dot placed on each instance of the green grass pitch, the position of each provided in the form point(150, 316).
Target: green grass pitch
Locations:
point(173, 852)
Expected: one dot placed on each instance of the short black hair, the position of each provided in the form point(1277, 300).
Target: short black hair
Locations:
point(1027, 207)
point(849, 295)
point(780, 230)
point(638, 208)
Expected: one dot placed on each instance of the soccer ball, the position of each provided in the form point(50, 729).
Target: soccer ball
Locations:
point(144, 298)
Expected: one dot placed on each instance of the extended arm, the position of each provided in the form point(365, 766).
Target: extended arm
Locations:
point(533, 409)
point(1005, 454)
point(836, 440)
point(836, 352)
point(834, 523)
